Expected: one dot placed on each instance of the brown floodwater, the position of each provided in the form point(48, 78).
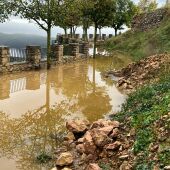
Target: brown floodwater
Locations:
point(35, 105)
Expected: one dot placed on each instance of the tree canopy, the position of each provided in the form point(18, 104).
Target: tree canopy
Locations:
point(124, 10)
point(43, 13)
point(5, 10)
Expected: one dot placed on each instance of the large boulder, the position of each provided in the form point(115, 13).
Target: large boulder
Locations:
point(69, 137)
point(93, 167)
point(77, 126)
point(64, 159)
point(88, 143)
point(107, 130)
point(100, 138)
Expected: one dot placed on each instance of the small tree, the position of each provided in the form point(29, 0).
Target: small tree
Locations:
point(69, 16)
point(98, 12)
point(122, 15)
point(43, 13)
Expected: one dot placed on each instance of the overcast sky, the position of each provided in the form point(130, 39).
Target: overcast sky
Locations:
point(16, 25)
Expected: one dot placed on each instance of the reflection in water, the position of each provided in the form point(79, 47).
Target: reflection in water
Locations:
point(34, 107)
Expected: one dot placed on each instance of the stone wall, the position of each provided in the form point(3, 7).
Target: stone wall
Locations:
point(146, 21)
point(33, 58)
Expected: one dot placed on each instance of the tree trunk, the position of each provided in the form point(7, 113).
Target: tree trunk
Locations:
point(84, 32)
point(71, 32)
point(100, 32)
point(65, 31)
point(86, 35)
point(49, 48)
point(116, 32)
point(95, 40)
point(74, 31)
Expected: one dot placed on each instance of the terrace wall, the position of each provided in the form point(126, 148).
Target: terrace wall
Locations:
point(35, 60)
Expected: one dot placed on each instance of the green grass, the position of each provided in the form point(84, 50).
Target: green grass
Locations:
point(151, 103)
point(142, 44)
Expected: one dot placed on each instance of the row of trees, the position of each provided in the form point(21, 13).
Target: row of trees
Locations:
point(69, 14)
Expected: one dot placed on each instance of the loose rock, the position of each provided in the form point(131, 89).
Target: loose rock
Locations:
point(93, 167)
point(64, 159)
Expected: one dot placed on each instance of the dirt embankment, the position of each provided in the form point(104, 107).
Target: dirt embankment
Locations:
point(141, 72)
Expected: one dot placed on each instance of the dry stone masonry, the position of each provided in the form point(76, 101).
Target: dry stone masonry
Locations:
point(34, 60)
point(150, 20)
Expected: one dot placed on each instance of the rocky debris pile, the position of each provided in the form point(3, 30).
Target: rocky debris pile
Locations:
point(87, 145)
point(146, 21)
point(137, 74)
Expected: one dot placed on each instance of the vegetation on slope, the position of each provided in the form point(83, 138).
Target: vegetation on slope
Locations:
point(142, 44)
point(150, 120)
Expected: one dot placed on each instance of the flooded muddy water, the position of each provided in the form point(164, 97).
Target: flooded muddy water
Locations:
point(35, 105)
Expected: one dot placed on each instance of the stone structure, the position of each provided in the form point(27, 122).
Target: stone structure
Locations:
point(85, 48)
point(57, 51)
point(91, 36)
point(98, 36)
point(33, 55)
point(150, 20)
point(4, 56)
point(77, 36)
point(110, 35)
point(74, 50)
point(104, 36)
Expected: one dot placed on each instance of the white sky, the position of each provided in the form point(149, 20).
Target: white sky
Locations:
point(17, 25)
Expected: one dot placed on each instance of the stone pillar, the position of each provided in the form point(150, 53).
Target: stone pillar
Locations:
point(83, 36)
point(33, 55)
point(58, 52)
point(90, 36)
point(98, 37)
point(75, 50)
point(103, 36)
point(77, 36)
point(85, 48)
point(4, 55)
point(110, 35)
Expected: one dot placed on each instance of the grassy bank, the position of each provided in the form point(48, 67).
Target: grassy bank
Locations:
point(142, 44)
point(147, 113)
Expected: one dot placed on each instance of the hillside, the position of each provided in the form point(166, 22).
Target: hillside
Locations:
point(141, 44)
point(21, 40)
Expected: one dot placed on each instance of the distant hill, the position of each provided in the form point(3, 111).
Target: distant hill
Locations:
point(21, 40)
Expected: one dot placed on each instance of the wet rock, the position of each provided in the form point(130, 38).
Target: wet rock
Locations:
point(93, 167)
point(64, 159)
point(113, 146)
point(69, 137)
point(100, 138)
point(80, 148)
point(104, 123)
point(106, 130)
point(77, 126)
point(89, 145)
point(123, 157)
point(125, 166)
point(115, 133)
point(55, 168)
point(167, 167)
point(65, 168)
